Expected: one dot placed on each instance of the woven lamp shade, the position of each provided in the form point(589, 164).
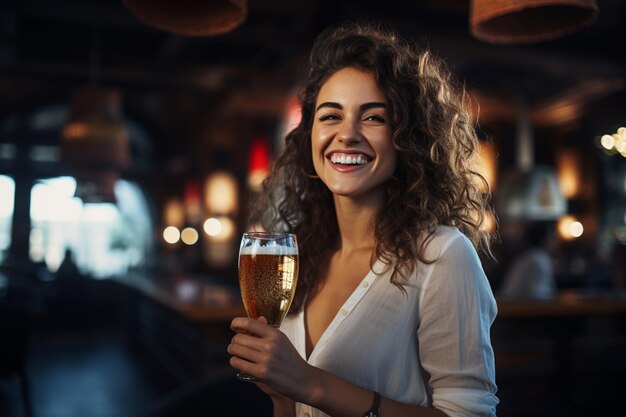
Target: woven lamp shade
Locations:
point(528, 21)
point(190, 17)
point(95, 136)
point(95, 143)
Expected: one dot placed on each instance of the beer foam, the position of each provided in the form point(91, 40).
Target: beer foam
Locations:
point(268, 250)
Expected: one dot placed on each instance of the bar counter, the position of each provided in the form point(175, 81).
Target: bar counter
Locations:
point(194, 298)
point(201, 301)
point(559, 346)
point(566, 303)
point(183, 321)
point(198, 300)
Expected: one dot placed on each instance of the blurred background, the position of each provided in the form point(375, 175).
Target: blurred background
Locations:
point(134, 134)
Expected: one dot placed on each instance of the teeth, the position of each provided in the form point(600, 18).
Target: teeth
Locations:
point(348, 159)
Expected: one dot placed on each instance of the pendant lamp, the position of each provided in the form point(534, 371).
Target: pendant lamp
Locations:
point(530, 196)
point(528, 21)
point(94, 143)
point(190, 17)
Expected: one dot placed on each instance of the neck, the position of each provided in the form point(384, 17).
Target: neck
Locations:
point(356, 220)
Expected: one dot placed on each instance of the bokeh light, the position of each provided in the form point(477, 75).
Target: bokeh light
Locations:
point(576, 229)
point(570, 228)
point(189, 235)
point(212, 226)
point(171, 234)
point(607, 141)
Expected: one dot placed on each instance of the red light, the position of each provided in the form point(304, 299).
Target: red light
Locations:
point(259, 155)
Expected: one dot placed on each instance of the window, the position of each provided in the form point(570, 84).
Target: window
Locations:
point(105, 239)
point(7, 201)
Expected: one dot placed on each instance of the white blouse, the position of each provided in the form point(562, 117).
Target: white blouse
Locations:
point(429, 347)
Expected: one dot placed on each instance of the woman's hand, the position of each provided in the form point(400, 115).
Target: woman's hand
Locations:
point(267, 354)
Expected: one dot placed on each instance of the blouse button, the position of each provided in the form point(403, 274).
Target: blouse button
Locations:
point(343, 312)
point(365, 284)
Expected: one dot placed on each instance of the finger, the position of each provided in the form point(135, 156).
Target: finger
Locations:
point(256, 327)
point(237, 323)
point(243, 366)
point(262, 320)
point(251, 341)
point(244, 352)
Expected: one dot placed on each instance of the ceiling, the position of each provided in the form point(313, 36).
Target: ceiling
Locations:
point(48, 48)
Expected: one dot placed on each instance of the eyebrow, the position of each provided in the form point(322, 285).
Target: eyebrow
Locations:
point(364, 106)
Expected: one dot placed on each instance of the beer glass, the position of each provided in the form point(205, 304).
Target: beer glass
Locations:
point(268, 273)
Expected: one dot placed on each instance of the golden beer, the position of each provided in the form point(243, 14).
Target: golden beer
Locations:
point(268, 273)
point(268, 283)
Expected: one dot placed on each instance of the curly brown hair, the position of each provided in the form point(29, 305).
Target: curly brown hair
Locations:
point(433, 132)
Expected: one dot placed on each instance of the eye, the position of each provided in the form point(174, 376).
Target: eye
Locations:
point(328, 117)
point(374, 118)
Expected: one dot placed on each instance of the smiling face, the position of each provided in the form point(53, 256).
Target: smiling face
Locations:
point(353, 153)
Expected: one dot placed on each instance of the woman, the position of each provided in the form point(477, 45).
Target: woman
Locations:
point(393, 310)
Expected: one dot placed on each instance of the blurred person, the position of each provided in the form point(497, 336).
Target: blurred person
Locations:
point(68, 268)
point(531, 274)
point(73, 293)
point(42, 273)
point(392, 312)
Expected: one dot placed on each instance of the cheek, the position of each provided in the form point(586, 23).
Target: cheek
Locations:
point(315, 149)
point(319, 142)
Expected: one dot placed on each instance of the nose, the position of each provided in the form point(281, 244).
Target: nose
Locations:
point(349, 133)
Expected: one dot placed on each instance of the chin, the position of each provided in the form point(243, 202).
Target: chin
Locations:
point(347, 192)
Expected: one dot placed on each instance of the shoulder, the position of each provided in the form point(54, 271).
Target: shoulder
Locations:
point(439, 243)
point(450, 257)
point(456, 282)
point(455, 262)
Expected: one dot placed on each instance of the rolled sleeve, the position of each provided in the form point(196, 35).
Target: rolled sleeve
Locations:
point(463, 402)
point(455, 316)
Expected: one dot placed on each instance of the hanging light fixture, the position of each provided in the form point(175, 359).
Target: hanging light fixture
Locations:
point(174, 213)
point(221, 193)
point(528, 192)
point(190, 17)
point(94, 143)
point(531, 196)
point(527, 21)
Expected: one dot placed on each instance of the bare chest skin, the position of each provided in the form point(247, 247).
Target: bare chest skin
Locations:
point(344, 274)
